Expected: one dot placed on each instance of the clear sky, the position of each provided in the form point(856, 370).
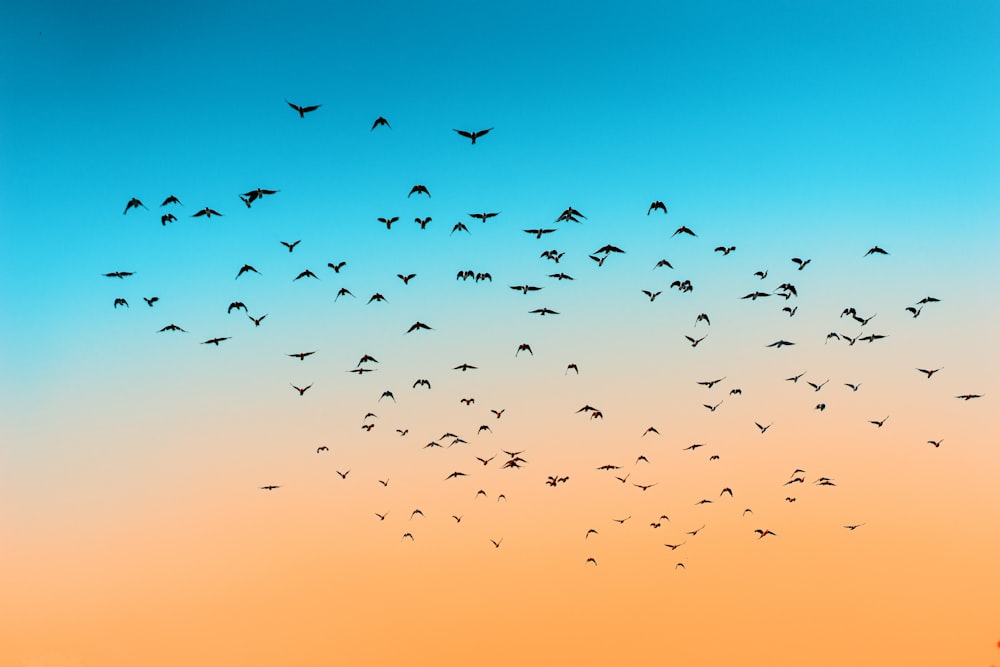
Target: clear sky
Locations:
point(132, 460)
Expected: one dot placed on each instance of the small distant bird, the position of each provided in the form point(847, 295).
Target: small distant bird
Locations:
point(419, 189)
point(929, 373)
point(657, 206)
point(169, 217)
point(762, 533)
point(483, 217)
point(388, 221)
point(662, 262)
point(572, 367)
point(416, 326)
point(459, 227)
point(207, 212)
point(303, 110)
point(171, 200)
point(422, 221)
point(779, 343)
point(322, 448)
point(121, 302)
point(257, 320)
point(270, 487)
point(305, 274)
point(336, 267)
point(151, 300)
point(683, 230)
point(301, 390)
point(133, 203)
point(725, 250)
point(652, 295)
point(171, 327)
point(694, 342)
point(301, 356)
point(538, 232)
point(473, 135)
point(343, 291)
point(118, 274)
point(801, 262)
point(380, 121)
point(969, 397)
point(936, 443)
point(763, 429)
point(215, 341)
point(878, 422)
point(875, 250)
point(853, 527)
point(422, 381)
point(246, 268)
point(291, 246)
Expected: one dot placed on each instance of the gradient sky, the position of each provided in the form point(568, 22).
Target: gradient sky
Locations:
point(134, 527)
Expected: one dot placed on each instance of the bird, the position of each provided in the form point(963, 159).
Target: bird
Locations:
point(336, 267)
point(877, 422)
point(381, 517)
point(779, 344)
point(854, 526)
point(572, 367)
point(343, 475)
point(712, 383)
point(694, 342)
point(305, 274)
point(246, 268)
point(875, 250)
point(207, 212)
point(683, 230)
point(169, 217)
point(929, 373)
point(257, 320)
point(652, 295)
point(303, 110)
point(291, 246)
point(417, 326)
point(387, 394)
point(969, 397)
point(801, 262)
point(854, 387)
point(464, 367)
point(322, 448)
point(171, 200)
point(215, 341)
point(271, 487)
point(119, 274)
point(473, 135)
point(133, 203)
point(422, 222)
point(459, 227)
point(483, 217)
point(538, 232)
point(496, 544)
point(343, 291)
point(121, 302)
point(657, 206)
point(236, 305)
point(702, 317)
point(424, 382)
point(171, 327)
point(301, 390)
point(763, 429)
point(419, 189)
point(795, 378)
point(407, 278)
point(815, 386)
point(591, 560)
point(936, 443)
point(543, 311)
point(377, 296)
point(388, 221)
point(764, 532)
point(725, 250)
point(525, 288)
point(662, 262)
point(455, 474)
point(302, 355)
point(380, 121)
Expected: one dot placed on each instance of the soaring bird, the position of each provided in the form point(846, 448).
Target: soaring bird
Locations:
point(301, 356)
point(657, 206)
point(473, 135)
point(169, 217)
point(380, 121)
point(524, 347)
point(118, 274)
point(305, 274)
point(246, 268)
point(215, 341)
point(133, 203)
point(291, 246)
point(417, 325)
point(801, 262)
point(483, 217)
point(388, 221)
point(875, 250)
point(303, 110)
point(301, 390)
point(419, 189)
point(171, 200)
point(207, 212)
point(683, 230)
point(150, 301)
point(336, 267)
point(121, 302)
point(172, 327)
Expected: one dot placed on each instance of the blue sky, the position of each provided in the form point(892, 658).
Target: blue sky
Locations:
point(793, 127)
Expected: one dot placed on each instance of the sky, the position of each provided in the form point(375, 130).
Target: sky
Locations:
point(134, 522)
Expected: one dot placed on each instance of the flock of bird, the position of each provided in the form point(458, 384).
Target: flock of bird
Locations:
point(785, 293)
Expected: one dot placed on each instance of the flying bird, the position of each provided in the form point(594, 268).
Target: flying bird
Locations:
point(246, 268)
point(133, 203)
point(207, 212)
point(291, 246)
point(419, 189)
point(657, 206)
point(305, 274)
point(417, 325)
point(215, 341)
point(473, 135)
point(303, 110)
point(380, 121)
point(683, 230)
point(301, 390)
point(875, 250)
point(171, 200)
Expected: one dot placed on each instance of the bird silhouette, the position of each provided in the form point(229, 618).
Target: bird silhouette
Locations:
point(303, 110)
point(473, 135)
point(380, 121)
